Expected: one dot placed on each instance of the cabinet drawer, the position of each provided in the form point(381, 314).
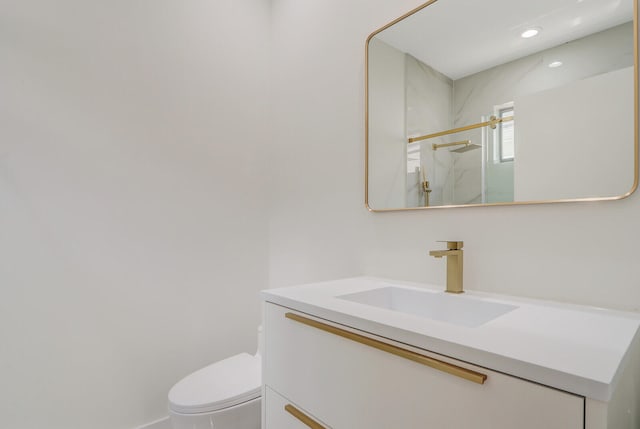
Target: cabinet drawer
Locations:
point(283, 414)
point(349, 384)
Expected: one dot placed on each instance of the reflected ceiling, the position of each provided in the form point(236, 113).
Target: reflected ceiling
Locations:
point(560, 21)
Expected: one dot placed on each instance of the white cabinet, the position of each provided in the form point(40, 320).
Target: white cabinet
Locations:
point(347, 381)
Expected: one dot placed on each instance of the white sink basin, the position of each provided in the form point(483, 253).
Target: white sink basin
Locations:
point(455, 309)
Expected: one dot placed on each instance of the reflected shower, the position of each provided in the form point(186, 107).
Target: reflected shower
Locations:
point(467, 146)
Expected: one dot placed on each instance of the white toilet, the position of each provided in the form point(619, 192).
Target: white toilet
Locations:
point(223, 395)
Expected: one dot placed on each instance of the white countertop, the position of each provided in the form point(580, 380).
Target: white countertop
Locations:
point(573, 348)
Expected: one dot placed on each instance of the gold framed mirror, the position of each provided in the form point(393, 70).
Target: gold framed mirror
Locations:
point(501, 102)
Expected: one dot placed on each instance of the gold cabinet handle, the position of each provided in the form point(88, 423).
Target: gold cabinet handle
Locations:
point(303, 417)
point(449, 368)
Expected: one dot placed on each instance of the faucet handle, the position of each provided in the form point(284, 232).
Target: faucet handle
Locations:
point(452, 245)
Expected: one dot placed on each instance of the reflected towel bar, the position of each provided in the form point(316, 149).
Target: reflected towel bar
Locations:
point(492, 122)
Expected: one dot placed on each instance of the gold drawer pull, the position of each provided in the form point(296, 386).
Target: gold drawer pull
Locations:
point(458, 371)
point(303, 417)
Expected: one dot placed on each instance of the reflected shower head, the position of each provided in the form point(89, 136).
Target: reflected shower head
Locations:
point(466, 148)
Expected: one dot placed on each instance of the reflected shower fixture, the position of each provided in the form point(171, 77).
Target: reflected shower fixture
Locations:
point(491, 123)
point(467, 146)
point(426, 191)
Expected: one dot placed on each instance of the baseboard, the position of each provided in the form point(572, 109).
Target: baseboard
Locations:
point(162, 423)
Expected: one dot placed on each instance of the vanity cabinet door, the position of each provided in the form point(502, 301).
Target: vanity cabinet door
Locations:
point(283, 414)
point(352, 385)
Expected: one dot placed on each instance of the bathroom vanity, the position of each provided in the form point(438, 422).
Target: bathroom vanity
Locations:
point(373, 353)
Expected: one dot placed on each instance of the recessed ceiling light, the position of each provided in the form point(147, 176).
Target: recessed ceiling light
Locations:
point(530, 32)
point(555, 64)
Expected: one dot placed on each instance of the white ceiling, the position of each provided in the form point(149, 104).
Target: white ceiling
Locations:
point(463, 37)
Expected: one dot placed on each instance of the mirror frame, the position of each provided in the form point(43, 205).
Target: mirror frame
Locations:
point(569, 200)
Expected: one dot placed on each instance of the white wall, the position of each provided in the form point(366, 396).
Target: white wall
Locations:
point(387, 151)
point(132, 204)
point(317, 215)
point(593, 145)
point(578, 252)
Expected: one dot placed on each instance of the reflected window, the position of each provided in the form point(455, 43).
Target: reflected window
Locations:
point(413, 157)
point(506, 141)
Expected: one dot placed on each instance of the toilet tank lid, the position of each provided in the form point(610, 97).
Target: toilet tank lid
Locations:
point(220, 385)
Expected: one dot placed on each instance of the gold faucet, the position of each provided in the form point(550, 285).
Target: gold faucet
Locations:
point(454, 264)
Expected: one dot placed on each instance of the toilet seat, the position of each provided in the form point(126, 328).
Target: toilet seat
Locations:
point(220, 385)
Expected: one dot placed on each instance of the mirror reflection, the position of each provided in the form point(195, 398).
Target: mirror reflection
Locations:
point(502, 101)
